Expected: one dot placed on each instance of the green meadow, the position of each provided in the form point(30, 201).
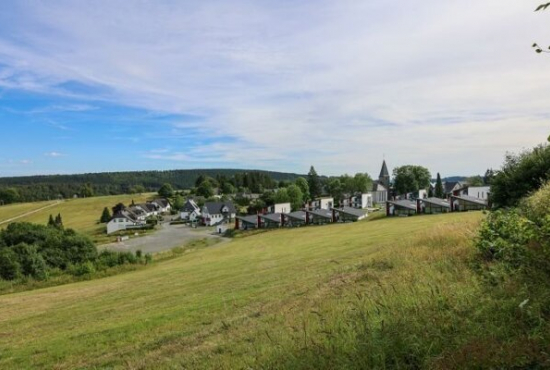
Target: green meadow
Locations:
point(81, 214)
point(386, 293)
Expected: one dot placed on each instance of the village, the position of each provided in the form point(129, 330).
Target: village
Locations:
point(223, 214)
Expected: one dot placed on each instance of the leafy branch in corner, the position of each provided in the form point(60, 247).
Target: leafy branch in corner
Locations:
point(538, 49)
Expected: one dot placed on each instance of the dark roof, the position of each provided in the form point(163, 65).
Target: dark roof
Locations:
point(449, 185)
point(352, 211)
point(136, 210)
point(273, 217)
point(124, 214)
point(150, 207)
point(215, 208)
point(403, 203)
point(470, 199)
point(249, 219)
point(322, 213)
point(298, 215)
point(162, 202)
point(190, 206)
point(437, 201)
point(384, 170)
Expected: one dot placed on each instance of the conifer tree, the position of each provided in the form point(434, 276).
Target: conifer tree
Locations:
point(439, 193)
point(51, 221)
point(105, 216)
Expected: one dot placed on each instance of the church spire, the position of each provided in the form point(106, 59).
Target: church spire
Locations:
point(384, 177)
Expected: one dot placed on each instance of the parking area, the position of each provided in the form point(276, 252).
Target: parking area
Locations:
point(165, 238)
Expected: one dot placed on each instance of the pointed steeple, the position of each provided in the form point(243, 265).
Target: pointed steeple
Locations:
point(384, 171)
point(384, 177)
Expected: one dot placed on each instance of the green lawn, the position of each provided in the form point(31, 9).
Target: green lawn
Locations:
point(80, 214)
point(315, 297)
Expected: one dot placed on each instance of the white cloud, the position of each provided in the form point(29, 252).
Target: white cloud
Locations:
point(53, 154)
point(451, 85)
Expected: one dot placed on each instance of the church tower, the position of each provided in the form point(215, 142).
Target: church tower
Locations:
point(384, 177)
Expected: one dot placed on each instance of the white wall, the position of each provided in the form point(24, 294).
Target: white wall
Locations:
point(481, 192)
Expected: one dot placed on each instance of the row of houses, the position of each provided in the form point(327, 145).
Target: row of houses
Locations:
point(305, 217)
point(455, 203)
point(136, 216)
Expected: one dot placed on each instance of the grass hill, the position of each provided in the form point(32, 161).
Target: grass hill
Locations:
point(386, 293)
point(80, 214)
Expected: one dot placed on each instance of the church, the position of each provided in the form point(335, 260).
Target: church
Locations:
point(381, 187)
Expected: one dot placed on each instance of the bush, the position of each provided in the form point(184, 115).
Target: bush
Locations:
point(520, 175)
point(32, 263)
point(519, 238)
point(10, 269)
point(82, 269)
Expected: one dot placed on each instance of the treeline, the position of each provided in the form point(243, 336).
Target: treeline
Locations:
point(35, 188)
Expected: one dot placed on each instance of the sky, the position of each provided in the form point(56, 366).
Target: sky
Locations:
point(117, 85)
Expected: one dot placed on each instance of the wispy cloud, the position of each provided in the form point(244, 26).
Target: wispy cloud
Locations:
point(286, 84)
point(53, 154)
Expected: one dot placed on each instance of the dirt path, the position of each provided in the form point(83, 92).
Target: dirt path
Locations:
point(167, 237)
point(29, 213)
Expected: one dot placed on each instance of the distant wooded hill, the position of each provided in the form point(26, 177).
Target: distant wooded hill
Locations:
point(44, 187)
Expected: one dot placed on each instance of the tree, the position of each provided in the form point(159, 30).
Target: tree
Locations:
point(295, 196)
point(411, 178)
point(362, 182)
point(119, 207)
point(166, 190)
point(475, 181)
point(315, 187)
point(228, 188)
point(51, 221)
point(335, 188)
point(205, 189)
point(537, 48)
point(488, 177)
point(178, 203)
point(304, 187)
point(520, 175)
point(137, 189)
point(439, 192)
point(58, 221)
point(87, 191)
point(281, 196)
point(10, 269)
point(105, 216)
point(200, 179)
point(8, 195)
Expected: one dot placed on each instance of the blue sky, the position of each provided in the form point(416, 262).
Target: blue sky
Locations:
point(93, 86)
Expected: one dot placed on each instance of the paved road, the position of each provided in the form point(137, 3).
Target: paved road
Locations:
point(165, 238)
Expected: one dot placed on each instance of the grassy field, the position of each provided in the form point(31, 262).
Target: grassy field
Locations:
point(80, 214)
point(388, 293)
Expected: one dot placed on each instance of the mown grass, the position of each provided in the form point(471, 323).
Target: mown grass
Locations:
point(398, 292)
point(80, 214)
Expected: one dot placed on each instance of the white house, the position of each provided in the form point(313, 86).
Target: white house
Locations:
point(163, 204)
point(322, 203)
point(480, 192)
point(190, 211)
point(280, 208)
point(149, 209)
point(218, 212)
point(123, 220)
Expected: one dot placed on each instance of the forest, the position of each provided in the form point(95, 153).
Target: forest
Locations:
point(46, 187)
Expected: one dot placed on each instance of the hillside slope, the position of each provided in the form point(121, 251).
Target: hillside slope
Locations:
point(285, 298)
point(81, 214)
